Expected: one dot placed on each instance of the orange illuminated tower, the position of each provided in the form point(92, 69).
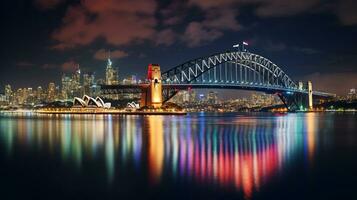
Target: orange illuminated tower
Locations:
point(153, 96)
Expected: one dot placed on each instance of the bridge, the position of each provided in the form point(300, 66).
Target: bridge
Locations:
point(237, 70)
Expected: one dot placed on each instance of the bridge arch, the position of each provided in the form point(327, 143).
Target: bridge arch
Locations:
point(237, 66)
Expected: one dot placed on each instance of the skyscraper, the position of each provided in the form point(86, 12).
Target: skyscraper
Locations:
point(66, 92)
point(39, 94)
point(76, 83)
point(51, 95)
point(88, 82)
point(111, 74)
point(8, 93)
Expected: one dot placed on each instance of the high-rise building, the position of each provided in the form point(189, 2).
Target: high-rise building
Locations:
point(66, 91)
point(77, 76)
point(88, 82)
point(212, 97)
point(76, 83)
point(8, 93)
point(3, 100)
point(51, 94)
point(39, 94)
point(352, 95)
point(19, 96)
point(111, 74)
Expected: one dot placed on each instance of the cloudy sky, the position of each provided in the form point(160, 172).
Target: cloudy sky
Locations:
point(309, 39)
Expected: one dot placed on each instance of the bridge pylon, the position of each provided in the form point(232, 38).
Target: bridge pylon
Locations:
point(152, 96)
point(298, 101)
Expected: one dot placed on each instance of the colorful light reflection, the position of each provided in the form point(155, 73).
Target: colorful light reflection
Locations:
point(241, 153)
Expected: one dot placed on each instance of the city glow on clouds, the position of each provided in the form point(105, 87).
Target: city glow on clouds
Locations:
point(117, 22)
point(123, 22)
point(102, 54)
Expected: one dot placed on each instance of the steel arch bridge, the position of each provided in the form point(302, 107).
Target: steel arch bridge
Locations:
point(239, 67)
point(240, 70)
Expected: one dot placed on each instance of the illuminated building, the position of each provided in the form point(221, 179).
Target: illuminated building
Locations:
point(111, 74)
point(19, 97)
point(66, 87)
point(39, 94)
point(352, 95)
point(51, 95)
point(192, 96)
point(8, 93)
point(3, 100)
point(89, 102)
point(88, 83)
point(212, 97)
point(130, 80)
point(76, 83)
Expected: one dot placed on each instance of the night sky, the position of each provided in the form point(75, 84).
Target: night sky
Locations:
point(309, 39)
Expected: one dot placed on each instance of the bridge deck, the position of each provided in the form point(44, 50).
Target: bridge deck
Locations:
point(137, 88)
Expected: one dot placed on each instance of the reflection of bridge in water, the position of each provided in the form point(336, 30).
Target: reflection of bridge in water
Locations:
point(230, 70)
point(242, 153)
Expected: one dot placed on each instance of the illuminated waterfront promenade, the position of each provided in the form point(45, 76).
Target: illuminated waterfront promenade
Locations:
point(241, 153)
point(96, 111)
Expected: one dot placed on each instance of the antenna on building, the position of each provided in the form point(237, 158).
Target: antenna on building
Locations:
point(109, 61)
point(78, 69)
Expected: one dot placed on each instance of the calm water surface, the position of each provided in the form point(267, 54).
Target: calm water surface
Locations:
point(198, 156)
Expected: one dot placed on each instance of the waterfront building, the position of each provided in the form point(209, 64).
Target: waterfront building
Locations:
point(90, 102)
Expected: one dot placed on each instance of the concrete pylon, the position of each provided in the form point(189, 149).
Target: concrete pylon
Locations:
point(309, 88)
point(152, 97)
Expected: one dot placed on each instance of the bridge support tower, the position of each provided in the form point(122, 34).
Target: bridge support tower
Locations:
point(309, 88)
point(296, 101)
point(152, 96)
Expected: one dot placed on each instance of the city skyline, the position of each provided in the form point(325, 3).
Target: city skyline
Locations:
point(315, 44)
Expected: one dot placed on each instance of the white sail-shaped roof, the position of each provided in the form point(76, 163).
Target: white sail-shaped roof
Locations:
point(78, 102)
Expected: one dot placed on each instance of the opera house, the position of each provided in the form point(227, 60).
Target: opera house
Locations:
point(89, 102)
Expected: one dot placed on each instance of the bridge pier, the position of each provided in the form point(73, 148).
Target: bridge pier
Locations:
point(298, 101)
point(309, 88)
point(152, 96)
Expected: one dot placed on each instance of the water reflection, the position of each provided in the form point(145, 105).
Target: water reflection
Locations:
point(237, 152)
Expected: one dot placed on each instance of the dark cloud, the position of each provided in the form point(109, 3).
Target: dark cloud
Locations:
point(273, 8)
point(69, 66)
point(346, 11)
point(174, 13)
point(118, 22)
point(47, 4)
point(196, 34)
point(124, 22)
point(165, 37)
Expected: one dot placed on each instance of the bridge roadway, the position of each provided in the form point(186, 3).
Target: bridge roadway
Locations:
point(138, 88)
